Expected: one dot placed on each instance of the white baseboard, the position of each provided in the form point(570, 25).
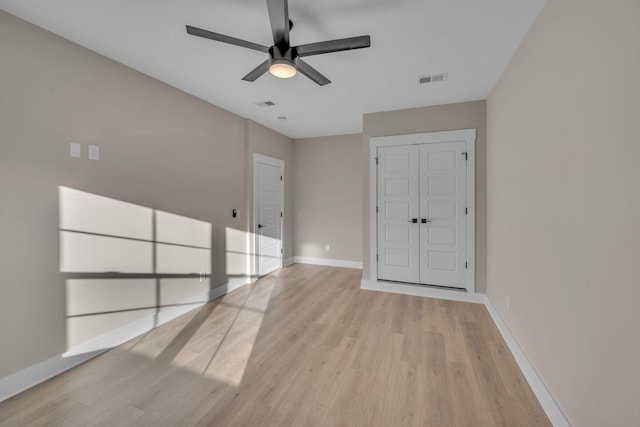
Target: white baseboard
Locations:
point(548, 403)
point(289, 261)
point(233, 284)
point(327, 262)
point(421, 291)
point(40, 372)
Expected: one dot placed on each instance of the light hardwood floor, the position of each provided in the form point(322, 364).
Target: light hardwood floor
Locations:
point(303, 346)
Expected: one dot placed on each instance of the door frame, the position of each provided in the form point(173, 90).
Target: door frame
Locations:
point(261, 158)
point(466, 135)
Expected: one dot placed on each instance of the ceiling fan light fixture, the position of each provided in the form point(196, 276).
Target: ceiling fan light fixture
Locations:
point(282, 69)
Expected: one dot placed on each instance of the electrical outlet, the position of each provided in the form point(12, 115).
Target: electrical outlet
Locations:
point(327, 248)
point(508, 303)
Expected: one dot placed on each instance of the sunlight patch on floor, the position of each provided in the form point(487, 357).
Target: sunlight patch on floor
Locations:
point(215, 341)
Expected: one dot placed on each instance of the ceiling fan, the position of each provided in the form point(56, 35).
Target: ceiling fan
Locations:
point(285, 60)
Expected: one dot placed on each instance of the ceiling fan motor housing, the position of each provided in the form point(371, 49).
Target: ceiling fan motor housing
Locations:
point(282, 53)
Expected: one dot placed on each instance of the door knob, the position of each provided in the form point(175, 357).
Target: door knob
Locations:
point(425, 220)
point(413, 220)
point(260, 225)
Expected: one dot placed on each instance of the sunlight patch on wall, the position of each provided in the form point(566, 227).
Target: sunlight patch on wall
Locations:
point(87, 296)
point(171, 259)
point(238, 254)
point(181, 230)
point(88, 253)
point(82, 211)
point(128, 267)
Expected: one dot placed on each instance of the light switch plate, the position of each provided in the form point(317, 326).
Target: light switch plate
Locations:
point(94, 152)
point(75, 150)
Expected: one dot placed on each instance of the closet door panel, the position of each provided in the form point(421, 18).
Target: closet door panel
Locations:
point(398, 206)
point(442, 212)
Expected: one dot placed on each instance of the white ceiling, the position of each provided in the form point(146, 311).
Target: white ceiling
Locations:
point(471, 40)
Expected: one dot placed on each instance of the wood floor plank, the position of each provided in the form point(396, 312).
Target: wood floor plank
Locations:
point(302, 346)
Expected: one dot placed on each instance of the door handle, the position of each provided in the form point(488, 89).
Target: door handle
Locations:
point(425, 220)
point(260, 225)
point(413, 220)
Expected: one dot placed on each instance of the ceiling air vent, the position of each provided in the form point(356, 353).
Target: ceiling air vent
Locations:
point(433, 78)
point(265, 104)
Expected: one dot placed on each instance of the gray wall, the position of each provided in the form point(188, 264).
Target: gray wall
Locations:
point(467, 115)
point(564, 205)
point(160, 149)
point(328, 197)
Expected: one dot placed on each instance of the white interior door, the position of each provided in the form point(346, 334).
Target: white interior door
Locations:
point(443, 195)
point(398, 207)
point(268, 179)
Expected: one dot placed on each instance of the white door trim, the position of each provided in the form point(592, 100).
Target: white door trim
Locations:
point(261, 158)
point(467, 135)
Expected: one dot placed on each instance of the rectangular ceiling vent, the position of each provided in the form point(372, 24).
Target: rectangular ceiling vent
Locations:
point(433, 78)
point(265, 104)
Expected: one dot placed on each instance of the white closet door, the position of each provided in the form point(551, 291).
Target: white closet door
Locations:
point(443, 195)
point(398, 206)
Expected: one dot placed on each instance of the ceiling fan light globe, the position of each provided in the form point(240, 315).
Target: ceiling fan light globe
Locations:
point(282, 70)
